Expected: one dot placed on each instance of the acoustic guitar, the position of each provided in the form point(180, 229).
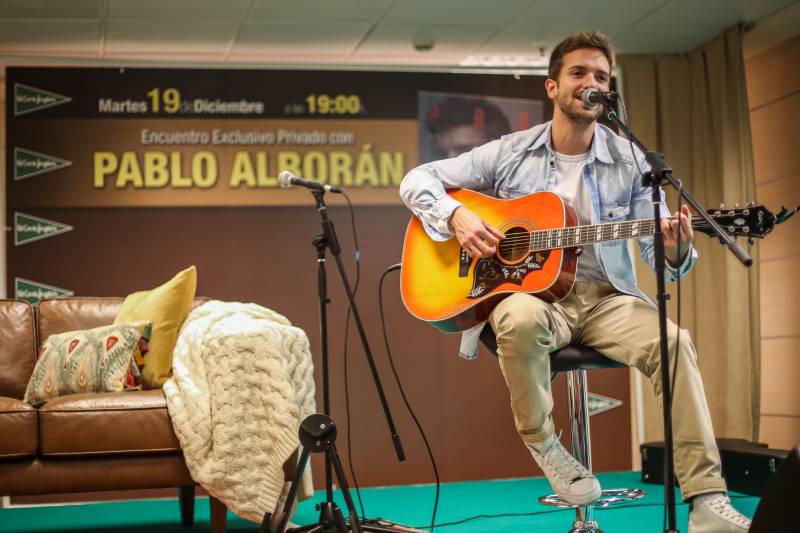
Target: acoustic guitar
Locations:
point(442, 285)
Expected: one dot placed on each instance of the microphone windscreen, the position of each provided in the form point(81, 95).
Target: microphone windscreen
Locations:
point(285, 179)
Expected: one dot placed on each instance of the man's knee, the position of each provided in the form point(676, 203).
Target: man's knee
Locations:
point(521, 315)
point(686, 351)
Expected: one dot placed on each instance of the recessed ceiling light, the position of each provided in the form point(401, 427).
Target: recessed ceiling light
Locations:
point(505, 61)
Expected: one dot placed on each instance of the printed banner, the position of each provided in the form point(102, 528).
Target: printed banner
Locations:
point(100, 137)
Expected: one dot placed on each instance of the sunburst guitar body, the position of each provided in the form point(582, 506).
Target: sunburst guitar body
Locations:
point(442, 285)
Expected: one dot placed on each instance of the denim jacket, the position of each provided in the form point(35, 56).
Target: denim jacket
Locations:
point(522, 163)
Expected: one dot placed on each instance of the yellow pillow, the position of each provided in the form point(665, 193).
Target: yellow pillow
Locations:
point(166, 307)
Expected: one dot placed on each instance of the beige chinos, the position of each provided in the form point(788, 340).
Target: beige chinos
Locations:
point(621, 327)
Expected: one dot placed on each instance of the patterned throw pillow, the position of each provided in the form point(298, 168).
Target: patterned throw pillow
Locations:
point(102, 359)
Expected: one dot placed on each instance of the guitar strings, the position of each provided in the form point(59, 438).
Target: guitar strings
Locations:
point(606, 231)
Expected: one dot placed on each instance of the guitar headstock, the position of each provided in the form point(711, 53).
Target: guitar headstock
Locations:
point(752, 221)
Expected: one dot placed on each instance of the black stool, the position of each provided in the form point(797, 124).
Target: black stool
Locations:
point(576, 360)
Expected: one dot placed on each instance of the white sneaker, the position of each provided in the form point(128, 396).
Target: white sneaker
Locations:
point(713, 513)
point(570, 480)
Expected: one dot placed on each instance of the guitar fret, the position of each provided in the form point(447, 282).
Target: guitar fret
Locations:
point(570, 236)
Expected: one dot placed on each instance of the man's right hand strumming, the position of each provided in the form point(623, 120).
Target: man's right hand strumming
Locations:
point(478, 238)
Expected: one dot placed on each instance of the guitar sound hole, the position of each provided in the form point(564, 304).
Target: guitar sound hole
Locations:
point(515, 247)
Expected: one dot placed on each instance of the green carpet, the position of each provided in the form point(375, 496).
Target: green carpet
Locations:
point(409, 505)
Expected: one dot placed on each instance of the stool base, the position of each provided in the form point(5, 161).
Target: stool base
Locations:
point(607, 497)
point(585, 523)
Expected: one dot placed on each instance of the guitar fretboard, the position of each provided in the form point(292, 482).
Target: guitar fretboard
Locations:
point(580, 235)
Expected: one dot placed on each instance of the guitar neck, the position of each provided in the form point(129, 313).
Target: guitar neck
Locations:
point(581, 235)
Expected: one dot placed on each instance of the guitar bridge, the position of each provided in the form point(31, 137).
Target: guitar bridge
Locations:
point(464, 261)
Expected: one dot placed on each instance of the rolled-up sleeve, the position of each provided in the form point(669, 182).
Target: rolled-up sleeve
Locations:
point(424, 188)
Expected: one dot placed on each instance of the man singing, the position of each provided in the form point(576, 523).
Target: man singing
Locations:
point(594, 171)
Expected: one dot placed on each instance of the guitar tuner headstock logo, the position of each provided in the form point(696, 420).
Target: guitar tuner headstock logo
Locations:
point(28, 99)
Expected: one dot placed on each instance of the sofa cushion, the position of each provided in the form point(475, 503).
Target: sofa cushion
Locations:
point(19, 428)
point(166, 306)
point(60, 315)
point(106, 423)
point(90, 360)
point(17, 347)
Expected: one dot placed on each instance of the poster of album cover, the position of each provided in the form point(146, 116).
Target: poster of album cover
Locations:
point(453, 123)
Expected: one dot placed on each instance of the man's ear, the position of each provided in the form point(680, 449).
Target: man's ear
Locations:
point(551, 86)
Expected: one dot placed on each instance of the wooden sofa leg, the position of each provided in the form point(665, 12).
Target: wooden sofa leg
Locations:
point(219, 515)
point(186, 499)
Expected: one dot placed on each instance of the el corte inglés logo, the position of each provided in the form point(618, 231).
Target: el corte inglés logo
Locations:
point(28, 228)
point(28, 99)
point(28, 163)
point(32, 291)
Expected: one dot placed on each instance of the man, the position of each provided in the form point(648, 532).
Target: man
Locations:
point(595, 172)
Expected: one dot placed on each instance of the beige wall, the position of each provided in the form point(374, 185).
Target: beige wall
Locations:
point(773, 85)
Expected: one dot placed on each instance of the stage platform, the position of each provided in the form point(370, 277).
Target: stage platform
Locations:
point(469, 507)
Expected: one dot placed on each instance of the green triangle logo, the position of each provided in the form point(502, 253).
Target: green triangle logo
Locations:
point(28, 163)
point(600, 404)
point(32, 292)
point(28, 228)
point(28, 99)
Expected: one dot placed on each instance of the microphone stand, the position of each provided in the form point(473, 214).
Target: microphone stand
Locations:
point(661, 173)
point(318, 432)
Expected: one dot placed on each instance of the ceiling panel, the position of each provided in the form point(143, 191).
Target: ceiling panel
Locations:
point(51, 9)
point(581, 15)
point(392, 40)
point(640, 41)
point(318, 10)
point(455, 12)
point(49, 37)
point(711, 15)
point(522, 41)
point(157, 36)
point(307, 39)
point(178, 10)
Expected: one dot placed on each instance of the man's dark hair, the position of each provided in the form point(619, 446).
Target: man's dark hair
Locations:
point(584, 39)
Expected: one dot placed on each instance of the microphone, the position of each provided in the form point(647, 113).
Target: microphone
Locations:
point(592, 97)
point(287, 180)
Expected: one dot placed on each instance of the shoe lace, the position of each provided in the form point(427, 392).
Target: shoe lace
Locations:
point(721, 506)
point(562, 463)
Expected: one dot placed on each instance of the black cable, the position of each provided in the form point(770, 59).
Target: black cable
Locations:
point(403, 394)
point(559, 510)
point(678, 303)
point(346, 335)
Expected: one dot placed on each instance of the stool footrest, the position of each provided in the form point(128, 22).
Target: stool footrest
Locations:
point(607, 498)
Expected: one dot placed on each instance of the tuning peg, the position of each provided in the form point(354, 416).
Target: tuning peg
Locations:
point(736, 206)
point(750, 204)
point(722, 206)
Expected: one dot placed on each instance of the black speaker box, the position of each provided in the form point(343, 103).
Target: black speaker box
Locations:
point(776, 512)
point(746, 466)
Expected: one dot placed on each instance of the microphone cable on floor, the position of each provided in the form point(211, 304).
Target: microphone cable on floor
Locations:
point(403, 394)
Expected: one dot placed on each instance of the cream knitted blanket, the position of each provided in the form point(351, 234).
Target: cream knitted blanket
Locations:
point(242, 383)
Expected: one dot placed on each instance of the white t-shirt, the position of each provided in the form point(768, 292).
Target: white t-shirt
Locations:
point(570, 186)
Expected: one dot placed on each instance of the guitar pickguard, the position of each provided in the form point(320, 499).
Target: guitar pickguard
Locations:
point(490, 273)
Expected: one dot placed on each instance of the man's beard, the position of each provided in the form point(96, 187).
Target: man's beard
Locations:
point(575, 111)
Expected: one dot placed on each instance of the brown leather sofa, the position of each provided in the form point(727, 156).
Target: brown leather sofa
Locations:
point(82, 442)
